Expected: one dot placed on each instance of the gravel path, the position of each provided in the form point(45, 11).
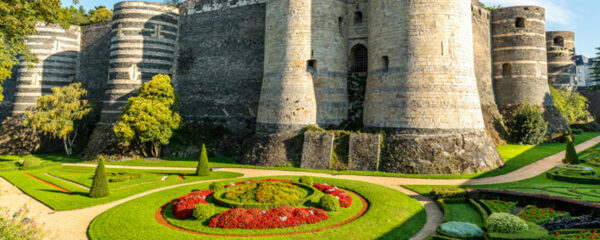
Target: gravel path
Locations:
point(73, 224)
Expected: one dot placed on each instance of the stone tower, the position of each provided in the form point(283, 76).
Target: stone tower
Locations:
point(422, 90)
point(56, 50)
point(143, 44)
point(520, 63)
point(561, 58)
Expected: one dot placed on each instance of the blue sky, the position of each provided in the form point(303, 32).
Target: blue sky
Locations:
point(579, 16)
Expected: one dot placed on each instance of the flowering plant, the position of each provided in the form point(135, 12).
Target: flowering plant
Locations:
point(183, 207)
point(280, 217)
point(581, 234)
point(19, 227)
point(532, 213)
point(344, 198)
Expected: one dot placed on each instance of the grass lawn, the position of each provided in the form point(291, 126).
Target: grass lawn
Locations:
point(59, 200)
point(391, 215)
point(464, 212)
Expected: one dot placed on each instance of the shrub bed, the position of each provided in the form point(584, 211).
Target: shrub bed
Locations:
point(344, 199)
point(448, 193)
point(264, 194)
point(506, 223)
point(183, 208)
point(280, 217)
point(574, 174)
point(497, 206)
point(576, 234)
point(537, 215)
point(582, 222)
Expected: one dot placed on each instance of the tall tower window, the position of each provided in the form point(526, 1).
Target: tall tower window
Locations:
point(385, 60)
point(311, 65)
point(358, 18)
point(506, 71)
point(520, 22)
point(360, 58)
point(559, 41)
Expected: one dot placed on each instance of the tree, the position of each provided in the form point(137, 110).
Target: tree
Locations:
point(203, 169)
point(100, 184)
point(17, 21)
point(57, 114)
point(527, 125)
point(147, 119)
point(572, 105)
point(571, 154)
point(100, 14)
point(596, 67)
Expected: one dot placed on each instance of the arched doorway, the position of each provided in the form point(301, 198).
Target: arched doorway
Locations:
point(359, 58)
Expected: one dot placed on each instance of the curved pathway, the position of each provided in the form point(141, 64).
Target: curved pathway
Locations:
point(73, 224)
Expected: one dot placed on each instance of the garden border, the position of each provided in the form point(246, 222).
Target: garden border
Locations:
point(49, 184)
point(158, 216)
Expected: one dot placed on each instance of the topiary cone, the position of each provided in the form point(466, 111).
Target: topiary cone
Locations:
point(571, 154)
point(100, 184)
point(203, 169)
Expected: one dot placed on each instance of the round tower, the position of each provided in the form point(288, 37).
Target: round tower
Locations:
point(422, 89)
point(561, 58)
point(330, 71)
point(143, 44)
point(520, 63)
point(287, 99)
point(56, 49)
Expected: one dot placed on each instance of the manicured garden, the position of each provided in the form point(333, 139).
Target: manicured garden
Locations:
point(274, 208)
point(65, 187)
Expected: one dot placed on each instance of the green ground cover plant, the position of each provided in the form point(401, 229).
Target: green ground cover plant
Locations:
point(391, 215)
point(460, 229)
point(58, 200)
point(497, 206)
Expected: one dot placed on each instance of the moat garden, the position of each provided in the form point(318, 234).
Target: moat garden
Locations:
point(168, 200)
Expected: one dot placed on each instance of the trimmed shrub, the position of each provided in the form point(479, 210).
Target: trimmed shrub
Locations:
point(329, 203)
point(527, 126)
point(203, 169)
point(461, 229)
point(448, 193)
point(308, 180)
point(217, 186)
point(30, 163)
point(571, 154)
point(506, 223)
point(203, 212)
point(100, 184)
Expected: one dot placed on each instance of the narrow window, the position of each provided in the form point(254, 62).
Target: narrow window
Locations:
point(506, 71)
point(311, 65)
point(358, 18)
point(520, 23)
point(386, 63)
point(359, 58)
point(340, 22)
point(559, 41)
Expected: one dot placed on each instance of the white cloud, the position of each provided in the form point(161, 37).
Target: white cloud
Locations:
point(556, 12)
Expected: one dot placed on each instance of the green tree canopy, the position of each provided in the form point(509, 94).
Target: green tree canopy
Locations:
point(100, 14)
point(572, 105)
point(57, 114)
point(147, 119)
point(17, 21)
point(596, 67)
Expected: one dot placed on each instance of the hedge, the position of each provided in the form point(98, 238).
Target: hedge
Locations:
point(448, 193)
point(313, 194)
point(481, 210)
point(570, 175)
point(535, 232)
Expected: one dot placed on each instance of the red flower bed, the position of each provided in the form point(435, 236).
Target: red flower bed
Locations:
point(183, 207)
point(537, 215)
point(344, 198)
point(280, 217)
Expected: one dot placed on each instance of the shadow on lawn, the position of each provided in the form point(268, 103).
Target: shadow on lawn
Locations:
point(407, 229)
point(79, 193)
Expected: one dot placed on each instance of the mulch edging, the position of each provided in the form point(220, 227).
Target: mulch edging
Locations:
point(158, 216)
point(49, 184)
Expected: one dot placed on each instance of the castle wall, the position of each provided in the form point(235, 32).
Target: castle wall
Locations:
point(57, 50)
point(329, 48)
point(520, 64)
point(422, 88)
point(94, 60)
point(220, 65)
point(143, 44)
point(287, 99)
point(356, 33)
point(561, 58)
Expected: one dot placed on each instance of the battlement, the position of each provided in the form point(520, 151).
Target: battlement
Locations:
point(202, 6)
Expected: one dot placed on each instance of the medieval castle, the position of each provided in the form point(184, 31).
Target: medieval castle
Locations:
point(438, 74)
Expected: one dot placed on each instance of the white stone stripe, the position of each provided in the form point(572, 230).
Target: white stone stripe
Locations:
point(146, 70)
point(562, 63)
point(51, 52)
point(141, 52)
point(512, 21)
point(120, 91)
point(156, 12)
point(140, 60)
point(114, 101)
point(116, 46)
point(141, 38)
point(518, 34)
point(521, 62)
point(126, 20)
point(122, 81)
point(522, 76)
point(68, 39)
point(561, 74)
point(28, 94)
point(49, 79)
point(561, 51)
point(520, 48)
point(46, 29)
